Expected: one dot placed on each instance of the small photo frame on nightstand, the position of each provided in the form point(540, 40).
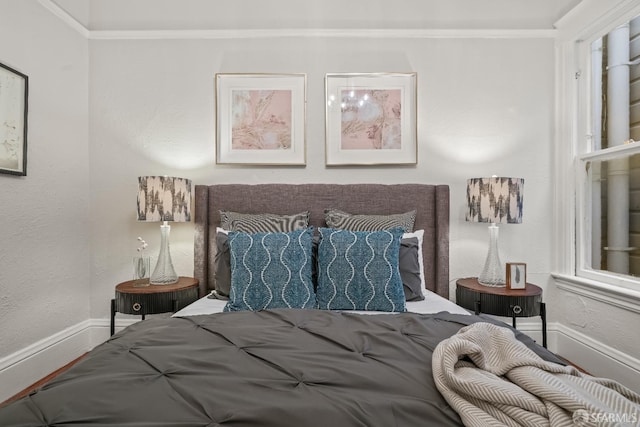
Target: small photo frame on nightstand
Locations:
point(516, 275)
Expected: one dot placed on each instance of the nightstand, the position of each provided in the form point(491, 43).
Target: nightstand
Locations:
point(502, 301)
point(131, 298)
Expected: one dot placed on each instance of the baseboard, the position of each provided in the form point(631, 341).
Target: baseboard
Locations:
point(23, 368)
point(101, 328)
point(598, 359)
point(29, 365)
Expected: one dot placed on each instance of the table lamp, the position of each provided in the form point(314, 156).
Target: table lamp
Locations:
point(164, 198)
point(496, 200)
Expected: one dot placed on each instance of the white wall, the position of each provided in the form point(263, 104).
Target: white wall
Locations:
point(44, 226)
point(484, 107)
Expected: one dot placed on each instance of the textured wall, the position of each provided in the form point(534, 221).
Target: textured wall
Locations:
point(44, 233)
point(484, 107)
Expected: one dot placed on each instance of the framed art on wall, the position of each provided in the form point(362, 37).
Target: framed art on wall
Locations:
point(371, 119)
point(14, 90)
point(260, 119)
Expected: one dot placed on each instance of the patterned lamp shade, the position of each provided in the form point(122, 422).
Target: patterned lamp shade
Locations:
point(164, 198)
point(496, 200)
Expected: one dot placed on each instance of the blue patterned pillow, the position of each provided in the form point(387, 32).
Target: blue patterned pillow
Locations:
point(358, 270)
point(271, 270)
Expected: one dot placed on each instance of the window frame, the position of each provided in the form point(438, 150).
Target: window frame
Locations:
point(584, 220)
point(572, 213)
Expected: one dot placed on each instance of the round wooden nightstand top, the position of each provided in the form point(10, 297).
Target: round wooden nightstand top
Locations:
point(133, 286)
point(472, 283)
point(502, 301)
point(132, 297)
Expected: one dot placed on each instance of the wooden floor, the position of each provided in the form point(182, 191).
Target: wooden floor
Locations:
point(568, 362)
point(42, 382)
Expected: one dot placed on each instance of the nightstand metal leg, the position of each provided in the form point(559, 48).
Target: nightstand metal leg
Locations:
point(513, 321)
point(113, 316)
point(543, 316)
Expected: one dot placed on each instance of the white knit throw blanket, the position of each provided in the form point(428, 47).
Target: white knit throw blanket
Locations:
point(509, 385)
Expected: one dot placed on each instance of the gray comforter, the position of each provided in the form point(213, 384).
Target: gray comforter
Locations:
point(271, 368)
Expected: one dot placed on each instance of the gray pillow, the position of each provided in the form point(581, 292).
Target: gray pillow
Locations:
point(336, 218)
point(223, 265)
point(263, 222)
point(409, 267)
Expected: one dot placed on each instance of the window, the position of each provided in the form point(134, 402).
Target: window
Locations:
point(609, 227)
point(593, 150)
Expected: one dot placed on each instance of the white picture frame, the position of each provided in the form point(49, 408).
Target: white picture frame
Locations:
point(371, 119)
point(261, 119)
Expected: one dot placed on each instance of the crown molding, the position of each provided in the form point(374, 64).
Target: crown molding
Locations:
point(324, 33)
point(593, 18)
point(64, 16)
point(391, 33)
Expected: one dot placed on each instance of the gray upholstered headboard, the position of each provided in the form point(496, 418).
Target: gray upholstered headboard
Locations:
point(430, 201)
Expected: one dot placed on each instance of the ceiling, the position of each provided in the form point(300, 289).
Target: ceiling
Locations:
point(163, 15)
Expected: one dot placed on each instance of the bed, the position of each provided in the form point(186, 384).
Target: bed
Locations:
point(219, 363)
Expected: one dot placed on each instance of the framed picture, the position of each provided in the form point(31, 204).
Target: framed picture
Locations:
point(260, 119)
point(516, 275)
point(371, 119)
point(14, 90)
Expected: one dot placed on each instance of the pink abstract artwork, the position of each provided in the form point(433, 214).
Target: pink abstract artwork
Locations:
point(261, 120)
point(371, 119)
